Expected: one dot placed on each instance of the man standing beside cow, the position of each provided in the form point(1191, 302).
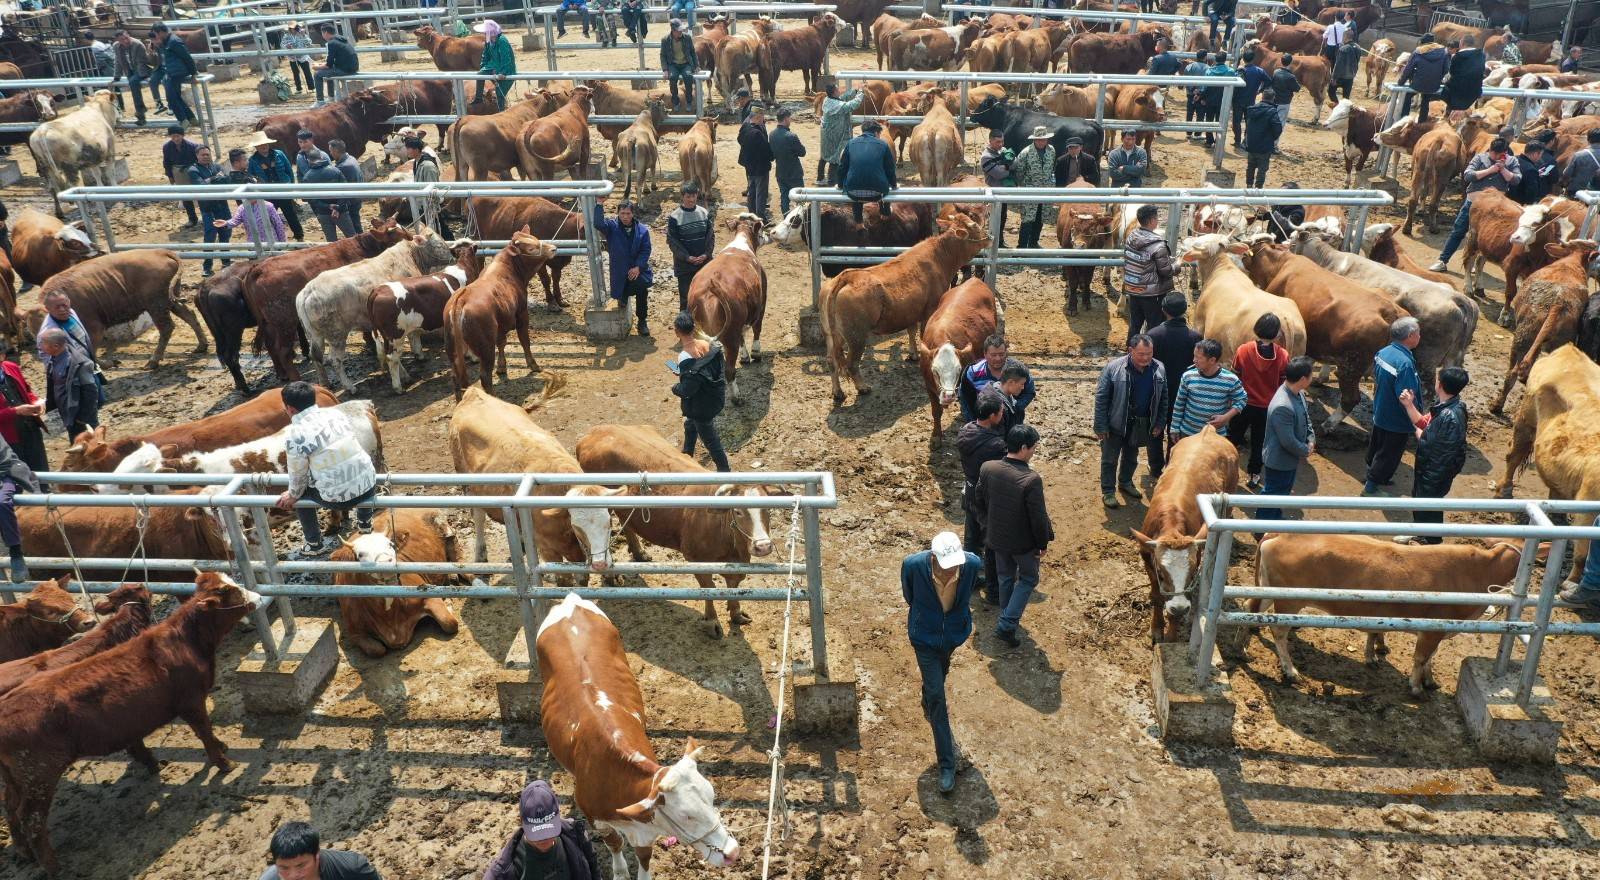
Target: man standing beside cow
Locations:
point(1261, 366)
point(1492, 169)
point(996, 162)
point(1130, 411)
point(74, 389)
point(297, 854)
point(1208, 394)
point(1128, 163)
point(628, 244)
point(978, 377)
point(348, 217)
point(937, 586)
point(1441, 443)
point(836, 125)
point(1174, 341)
point(177, 157)
point(1288, 435)
point(691, 238)
point(545, 845)
point(1395, 373)
point(755, 157)
point(1255, 79)
point(1016, 526)
point(787, 151)
point(268, 164)
point(1538, 170)
point(1263, 127)
point(1035, 166)
point(1284, 84)
point(1147, 272)
point(206, 172)
point(701, 389)
point(1583, 167)
point(15, 476)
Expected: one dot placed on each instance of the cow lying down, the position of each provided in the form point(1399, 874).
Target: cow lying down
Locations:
point(263, 456)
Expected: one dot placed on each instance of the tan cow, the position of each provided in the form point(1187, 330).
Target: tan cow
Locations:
point(118, 288)
point(1555, 427)
point(1080, 227)
point(636, 149)
point(558, 141)
point(478, 317)
point(1064, 100)
point(952, 340)
point(490, 436)
point(1144, 103)
point(1380, 58)
point(1437, 158)
point(1304, 38)
point(885, 26)
point(740, 55)
point(41, 245)
point(1548, 311)
point(893, 296)
point(1311, 71)
point(593, 717)
point(699, 534)
point(607, 99)
point(1174, 532)
point(938, 48)
point(730, 294)
point(697, 156)
point(451, 53)
point(76, 142)
point(378, 626)
point(936, 141)
point(484, 146)
point(1230, 304)
point(1346, 324)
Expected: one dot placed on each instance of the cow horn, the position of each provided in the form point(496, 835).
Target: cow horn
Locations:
point(77, 447)
point(724, 489)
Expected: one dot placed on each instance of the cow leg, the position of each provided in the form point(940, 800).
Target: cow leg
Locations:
point(1506, 384)
point(13, 805)
point(755, 336)
point(736, 617)
point(522, 338)
point(1422, 662)
point(643, 853)
point(439, 610)
point(141, 753)
point(163, 323)
point(480, 553)
point(1411, 215)
point(336, 354)
point(912, 333)
point(619, 865)
point(1349, 394)
point(1375, 649)
point(183, 312)
point(419, 352)
point(836, 357)
point(858, 350)
point(34, 813)
point(368, 645)
point(635, 549)
point(199, 720)
point(1280, 643)
point(713, 623)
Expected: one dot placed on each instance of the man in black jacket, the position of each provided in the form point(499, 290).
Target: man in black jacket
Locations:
point(342, 59)
point(177, 66)
point(1441, 443)
point(691, 238)
point(1016, 525)
point(755, 157)
point(1174, 343)
point(1538, 174)
point(701, 388)
point(786, 152)
point(545, 845)
point(981, 441)
point(866, 168)
point(1284, 85)
point(297, 854)
point(1262, 129)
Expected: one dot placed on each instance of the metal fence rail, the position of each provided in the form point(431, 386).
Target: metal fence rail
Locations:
point(586, 193)
point(996, 256)
point(547, 14)
point(258, 568)
point(458, 81)
point(81, 87)
point(1519, 112)
point(1211, 577)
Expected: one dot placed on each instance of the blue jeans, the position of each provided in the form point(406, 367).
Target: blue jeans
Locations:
point(1590, 582)
point(1019, 574)
point(934, 665)
point(176, 103)
point(1458, 233)
point(1275, 482)
point(681, 73)
point(1228, 33)
point(684, 10)
point(212, 234)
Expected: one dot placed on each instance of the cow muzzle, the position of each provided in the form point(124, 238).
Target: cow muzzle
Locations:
point(761, 547)
point(946, 397)
point(725, 858)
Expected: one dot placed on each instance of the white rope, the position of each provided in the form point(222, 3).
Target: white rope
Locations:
point(776, 755)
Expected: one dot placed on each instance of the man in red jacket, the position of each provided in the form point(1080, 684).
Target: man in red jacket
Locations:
point(1260, 366)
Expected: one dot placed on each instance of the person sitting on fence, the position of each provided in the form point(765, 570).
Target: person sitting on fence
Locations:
point(326, 465)
point(205, 171)
point(342, 60)
point(74, 389)
point(299, 65)
point(498, 61)
point(132, 62)
point(683, 9)
point(1221, 11)
point(566, 6)
point(545, 845)
point(297, 854)
point(15, 476)
point(635, 19)
point(866, 169)
point(177, 66)
point(678, 62)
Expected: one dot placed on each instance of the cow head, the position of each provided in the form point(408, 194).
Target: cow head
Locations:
point(750, 228)
point(525, 246)
point(592, 525)
point(217, 593)
point(790, 230)
point(1171, 561)
point(1339, 118)
point(1401, 134)
point(1375, 234)
point(50, 604)
point(965, 228)
point(750, 521)
point(74, 241)
point(146, 459)
point(127, 594)
point(386, 232)
point(426, 37)
point(946, 366)
point(430, 251)
point(683, 805)
point(90, 451)
point(1583, 249)
point(375, 548)
point(1534, 220)
point(45, 104)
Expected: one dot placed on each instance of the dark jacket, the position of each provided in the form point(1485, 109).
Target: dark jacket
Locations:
point(755, 150)
point(976, 378)
point(1442, 449)
point(75, 394)
point(274, 168)
point(1009, 500)
point(132, 59)
point(1261, 128)
point(1537, 179)
point(1254, 78)
point(176, 62)
point(626, 249)
point(1347, 62)
point(1085, 167)
point(689, 234)
point(786, 150)
point(13, 467)
point(1467, 70)
point(1174, 343)
point(178, 156)
point(996, 166)
point(1288, 432)
point(1147, 268)
point(1394, 371)
point(978, 444)
point(1165, 64)
point(336, 864)
point(867, 165)
point(666, 48)
point(342, 56)
point(324, 173)
point(1113, 397)
point(211, 174)
point(1284, 84)
point(702, 385)
point(581, 862)
point(1425, 71)
point(927, 623)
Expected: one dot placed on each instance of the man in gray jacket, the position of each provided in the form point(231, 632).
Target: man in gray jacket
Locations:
point(1130, 411)
point(1147, 272)
point(1493, 169)
point(786, 153)
point(1128, 163)
point(1288, 436)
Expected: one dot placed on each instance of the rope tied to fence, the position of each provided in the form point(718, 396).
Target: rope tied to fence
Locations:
point(54, 514)
point(775, 755)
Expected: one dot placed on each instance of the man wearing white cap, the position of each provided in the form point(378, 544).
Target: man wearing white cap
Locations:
point(937, 584)
point(546, 846)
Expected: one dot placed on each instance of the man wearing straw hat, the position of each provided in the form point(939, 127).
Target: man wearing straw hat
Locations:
point(1035, 166)
point(268, 164)
point(498, 60)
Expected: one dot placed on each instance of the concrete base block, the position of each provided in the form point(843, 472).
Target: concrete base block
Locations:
point(369, 166)
point(119, 171)
point(393, 55)
point(1503, 730)
point(1184, 710)
point(288, 685)
point(517, 685)
point(224, 73)
point(645, 85)
point(1224, 179)
point(10, 172)
point(827, 705)
point(266, 93)
point(811, 335)
point(532, 42)
point(607, 325)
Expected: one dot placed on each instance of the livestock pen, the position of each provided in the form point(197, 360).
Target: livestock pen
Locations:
point(80, 88)
point(459, 79)
point(732, 10)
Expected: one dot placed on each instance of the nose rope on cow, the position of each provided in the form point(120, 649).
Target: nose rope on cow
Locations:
point(775, 782)
point(54, 514)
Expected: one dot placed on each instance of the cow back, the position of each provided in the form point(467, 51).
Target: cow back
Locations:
point(117, 288)
point(171, 533)
point(130, 617)
point(1202, 464)
point(1361, 562)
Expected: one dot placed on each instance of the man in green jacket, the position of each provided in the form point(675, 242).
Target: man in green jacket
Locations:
point(498, 60)
point(836, 127)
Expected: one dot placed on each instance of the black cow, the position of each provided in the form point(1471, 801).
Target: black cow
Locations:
point(906, 224)
point(222, 307)
point(1019, 122)
point(1589, 325)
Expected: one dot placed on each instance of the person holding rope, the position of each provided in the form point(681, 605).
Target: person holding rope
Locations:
point(498, 61)
point(937, 586)
point(326, 466)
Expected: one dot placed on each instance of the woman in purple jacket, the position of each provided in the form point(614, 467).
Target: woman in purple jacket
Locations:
point(628, 242)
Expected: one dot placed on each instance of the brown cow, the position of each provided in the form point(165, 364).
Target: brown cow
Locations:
point(1380, 58)
point(485, 146)
point(1437, 159)
point(1173, 532)
point(1533, 52)
point(1144, 103)
point(115, 532)
point(987, 54)
point(1311, 70)
point(636, 149)
point(497, 218)
point(378, 626)
point(740, 55)
point(1079, 226)
point(1548, 311)
point(560, 140)
point(427, 97)
point(1380, 247)
point(1034, 50)
point(902, 225)
point(952, 339)
point(697, 156)
point(893, 296)
point(271, 285)
point(41, 619)
point(30, 106)
point(111, 703)
point(251, 420)
point(1304, 38)
point(803, 49)
point(1514, 236)
point(1358, 129)
point(608, 100)
point(1346, 324)
point(1064, 100)
point(699, 534)
point(1358, 562)
point(410, 307)
point(480, 315)
point(730, 293)
point(451, 53)
point(356, 119)
point(129, 607)
point(118, 288)
point(1110, 53)
point(1360, 17)
point(9, 323)
point(41, 245)
point(1572, 135)
point(939, 48)
point(593, 717)
point(709, 43)
point(935, 141)
point(888, 24)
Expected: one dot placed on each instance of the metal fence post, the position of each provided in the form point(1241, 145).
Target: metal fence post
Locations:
point(243, 562)
point(1519, 591)
point(597, 290)
point(1519, 111)
point(269, 563)
point(819, 630)
point(1222, 125)
point(519, 568)
point(815, 240)
point(997, 228)
point(1202, 600)
point(1548, 588)
point(202, 102)
point(105, 224)
point(964, 121)
point(549, 40)
point(1174, 227)
point(1356, 237)
point(1213, 607)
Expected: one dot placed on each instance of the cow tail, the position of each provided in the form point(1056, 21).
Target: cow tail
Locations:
point(305, 324)
point(462, 173)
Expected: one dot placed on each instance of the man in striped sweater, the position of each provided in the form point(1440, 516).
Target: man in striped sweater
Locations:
point(1208, 394)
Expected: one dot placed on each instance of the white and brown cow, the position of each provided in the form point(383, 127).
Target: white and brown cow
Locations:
point(1173, 531)
point(730, 294)
point(951, 340)
point(701, 535)
point(593, 717)
point(410, 307)
point(378, 626)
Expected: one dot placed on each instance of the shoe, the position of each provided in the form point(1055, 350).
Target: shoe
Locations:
point(1254, 484)
point(1371, 491)
point(317, 103)
point(1110, 500)
point(990, 598)
point(309, 550)
point(206, 273)
point(19, 569)
point(644, 330)
point(947, 781)
point(1010, 638)
point(1130, 490)
point(1405, 539)
point(1438, 266)
point(139, 119)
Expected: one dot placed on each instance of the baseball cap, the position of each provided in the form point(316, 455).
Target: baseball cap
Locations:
point(541, 815)
point(947, 550)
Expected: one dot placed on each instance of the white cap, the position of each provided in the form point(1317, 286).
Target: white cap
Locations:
point(947, 550)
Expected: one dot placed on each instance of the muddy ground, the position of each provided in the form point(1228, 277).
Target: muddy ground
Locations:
point(403, 758)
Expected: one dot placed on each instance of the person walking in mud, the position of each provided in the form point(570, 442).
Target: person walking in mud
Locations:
point(937, 585)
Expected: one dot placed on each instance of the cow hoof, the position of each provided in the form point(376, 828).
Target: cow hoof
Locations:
point(739, 619)
point(151, 364)
point(714, 628)
point(745, 358)
point(863, 390)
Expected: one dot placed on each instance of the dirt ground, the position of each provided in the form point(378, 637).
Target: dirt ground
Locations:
point(403, 758)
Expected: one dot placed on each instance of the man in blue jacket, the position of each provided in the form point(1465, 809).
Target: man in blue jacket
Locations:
point(177, 67)
point(996, 351)
point(1255, 79)
point(866, 168)
point(937, 585)
point(628, 243)
point(342, 59)
point(1395, 369)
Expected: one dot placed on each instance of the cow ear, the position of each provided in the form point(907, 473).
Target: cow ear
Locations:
point(169, 450)
point(1141, 537)
point(1200, 536)
point(100, 433)
point(724, 489)
point(643, 812)
point(1556, 249)
point(612, 493)
point(1239, 248)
